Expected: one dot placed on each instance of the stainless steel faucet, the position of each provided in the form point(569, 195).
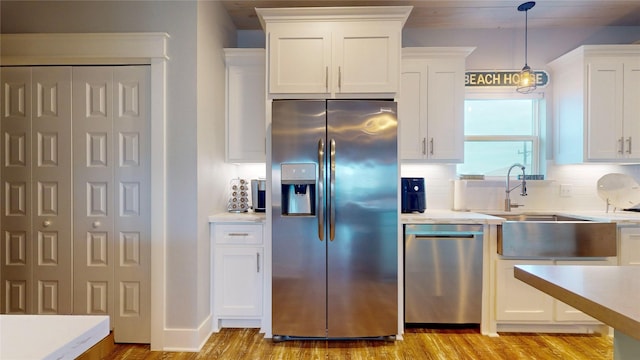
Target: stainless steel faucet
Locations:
point(507, 201)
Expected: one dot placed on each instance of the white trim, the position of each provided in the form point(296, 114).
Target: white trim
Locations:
point(357, 13)
point(110, 49)
point(81, 49)
point(187, 340)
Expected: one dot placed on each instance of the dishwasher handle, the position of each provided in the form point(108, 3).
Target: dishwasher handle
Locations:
point(445, 236)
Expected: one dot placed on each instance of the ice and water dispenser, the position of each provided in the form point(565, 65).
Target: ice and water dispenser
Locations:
point(298, 183)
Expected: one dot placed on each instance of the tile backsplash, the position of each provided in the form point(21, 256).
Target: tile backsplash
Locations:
point(578, 183)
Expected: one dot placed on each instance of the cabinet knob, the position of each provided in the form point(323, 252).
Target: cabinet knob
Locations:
point(96, 224)
point(47, 223)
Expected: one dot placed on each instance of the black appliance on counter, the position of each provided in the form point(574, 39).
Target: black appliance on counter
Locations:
point(259, 194)
point(413, 195)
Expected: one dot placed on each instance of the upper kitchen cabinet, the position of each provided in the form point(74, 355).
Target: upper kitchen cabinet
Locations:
point(596, 108)
point(431, 104)
point(245, 113)
point(346, 52)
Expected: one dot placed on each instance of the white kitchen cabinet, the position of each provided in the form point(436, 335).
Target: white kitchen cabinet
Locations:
point(566, 313)
point(245, 105)
point(596, 108)
point(238, 274)
point(431, 104)
point(334, 52)
point(629, 245)
point(517, 302)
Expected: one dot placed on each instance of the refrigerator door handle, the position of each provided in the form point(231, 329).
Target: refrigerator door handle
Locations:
point(332, 190)
point(321, 189)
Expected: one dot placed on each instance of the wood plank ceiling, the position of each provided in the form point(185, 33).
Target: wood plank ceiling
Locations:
point(470, 14)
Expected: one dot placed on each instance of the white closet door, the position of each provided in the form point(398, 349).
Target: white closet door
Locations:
point(111, 197)
point(36, 197)
point(16, 249)
point(51, 189)
point(132, 218)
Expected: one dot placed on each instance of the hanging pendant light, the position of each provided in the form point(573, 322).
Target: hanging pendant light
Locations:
point(527, 79)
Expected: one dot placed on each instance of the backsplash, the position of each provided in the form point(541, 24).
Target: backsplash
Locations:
point(577, 181)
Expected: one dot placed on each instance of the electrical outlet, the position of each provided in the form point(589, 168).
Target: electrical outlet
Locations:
point(565, 190)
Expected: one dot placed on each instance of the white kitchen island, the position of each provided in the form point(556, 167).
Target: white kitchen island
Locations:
point(50, 337)
point(610, 294)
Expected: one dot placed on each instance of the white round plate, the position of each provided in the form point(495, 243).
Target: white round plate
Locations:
point(620, 190)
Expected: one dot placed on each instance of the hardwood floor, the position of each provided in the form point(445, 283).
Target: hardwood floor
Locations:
point(417, 344)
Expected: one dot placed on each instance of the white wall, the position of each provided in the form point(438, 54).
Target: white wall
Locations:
point(195, 126)
point(215, 31)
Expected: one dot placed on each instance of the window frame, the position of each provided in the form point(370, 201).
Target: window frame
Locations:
point(535, 138)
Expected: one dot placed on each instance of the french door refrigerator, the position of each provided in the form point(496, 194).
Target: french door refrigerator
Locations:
point(334, 219)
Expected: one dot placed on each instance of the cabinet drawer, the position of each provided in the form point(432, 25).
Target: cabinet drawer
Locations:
point(238, 234)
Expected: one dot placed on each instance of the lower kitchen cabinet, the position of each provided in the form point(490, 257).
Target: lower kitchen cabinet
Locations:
point(238, 275)
point(517, 302)
point(629, 245)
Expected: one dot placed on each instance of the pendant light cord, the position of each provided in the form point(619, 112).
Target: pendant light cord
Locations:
point(526, 35)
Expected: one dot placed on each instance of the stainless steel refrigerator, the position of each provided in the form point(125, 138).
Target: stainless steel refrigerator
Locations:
point(334, 218)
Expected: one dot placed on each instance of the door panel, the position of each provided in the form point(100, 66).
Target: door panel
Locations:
point(362, 258)
point(36, 169)
point(132, 212)
point(112, 212)
point(16, 249)
point(93, 190)
point(51, 171)
point(299, 256)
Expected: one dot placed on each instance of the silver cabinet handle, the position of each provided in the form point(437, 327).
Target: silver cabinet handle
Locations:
point(340, 78)
point(424, 146)
point(332, 191)
point(629, 145)
point(321, 189)
point(238, 234)
point(431, 146)
point(621, 146)
point(257, 262)
point(326, 78)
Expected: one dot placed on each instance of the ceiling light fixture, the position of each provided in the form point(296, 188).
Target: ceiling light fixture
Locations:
point(527, 79)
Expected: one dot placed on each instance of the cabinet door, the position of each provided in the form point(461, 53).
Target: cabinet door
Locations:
point(299, 58)
point(445, 114)
point(604, 113)
point(518, 301)
point(246, 127)
point(366, 58)
point(630, 246)
point(631, 124)
point(564, 312)
point(238, 281)
point(412, 110)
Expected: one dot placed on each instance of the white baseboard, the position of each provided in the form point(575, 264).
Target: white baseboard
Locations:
point(187, 340)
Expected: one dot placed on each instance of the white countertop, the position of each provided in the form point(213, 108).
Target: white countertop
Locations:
point(432, 216)
point(50, 337)
point(449, 216)
point(249, 216)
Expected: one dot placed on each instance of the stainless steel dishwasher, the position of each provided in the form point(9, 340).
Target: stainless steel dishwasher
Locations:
point(443, 273)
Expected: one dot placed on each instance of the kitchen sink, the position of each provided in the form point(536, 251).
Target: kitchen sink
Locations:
point(540, 217)
point(555, 236)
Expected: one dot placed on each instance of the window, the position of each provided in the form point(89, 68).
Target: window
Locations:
point(498, 133)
